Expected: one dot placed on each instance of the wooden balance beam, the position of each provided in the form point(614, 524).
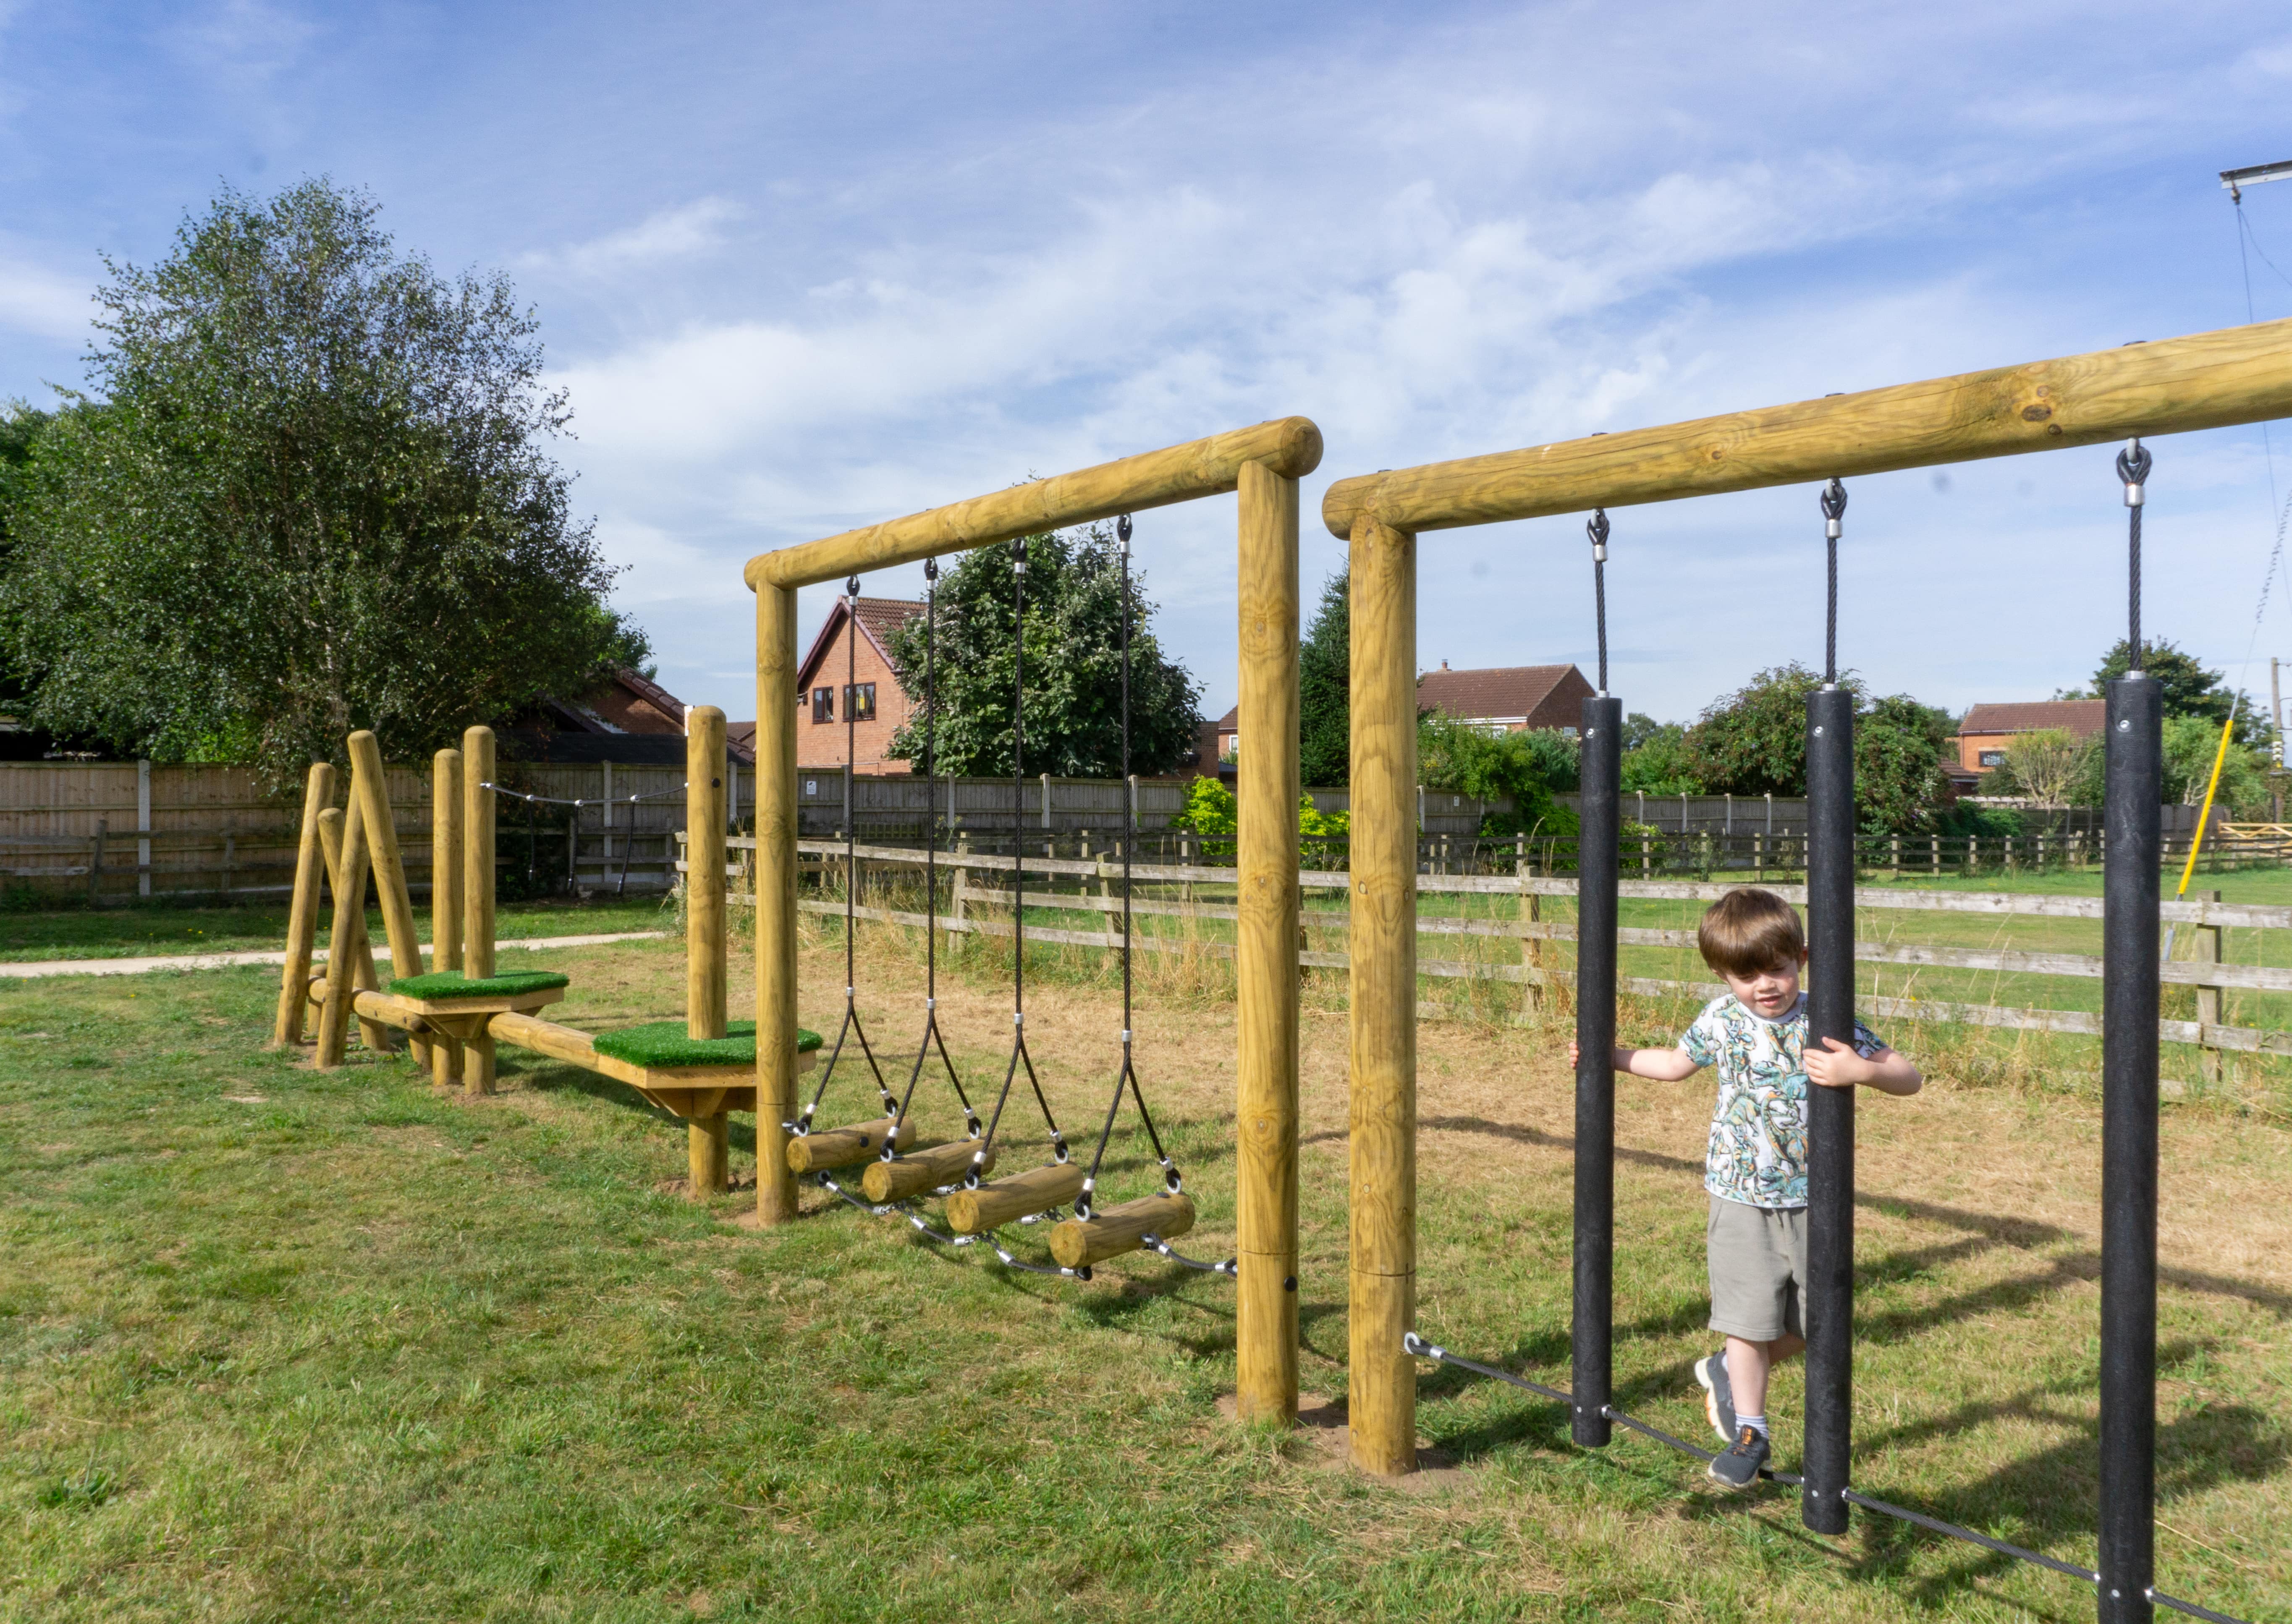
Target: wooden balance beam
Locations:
point(693, 1093)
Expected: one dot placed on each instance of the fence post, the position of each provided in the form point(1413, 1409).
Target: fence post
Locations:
point(2207, 950)
point(96, 860)
point(1895, 867)
point(143, 828)
point(1046, 801)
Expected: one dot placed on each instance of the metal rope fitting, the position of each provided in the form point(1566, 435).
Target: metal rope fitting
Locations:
point(931, 569)
point(1122, 532)
point(1596, 528)
point(852, 588)
point(1834, 509)
point(2132, 465)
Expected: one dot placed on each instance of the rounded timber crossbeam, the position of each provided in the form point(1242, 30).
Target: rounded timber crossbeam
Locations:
point(2206, 380)
point(835, 1148)
point(1078, 1242)
point(971, 1212)
point(923, 1173)
point(1291, 446)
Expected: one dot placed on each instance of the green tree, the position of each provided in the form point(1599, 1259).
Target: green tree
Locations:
point(1655, 758)
point(1754, 742)
point(304, 494)
point(1465, 759)
point(21, 426)
point(2185, 688)
point(1074, 667)
point(1325, 688)
point(2191, 744)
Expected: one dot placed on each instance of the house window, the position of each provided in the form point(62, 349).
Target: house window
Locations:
point(1991, 757)
point(823, 705)
point(860, 700)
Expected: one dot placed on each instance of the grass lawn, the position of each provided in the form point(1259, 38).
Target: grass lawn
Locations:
point(148, 931)
point(282, 1346)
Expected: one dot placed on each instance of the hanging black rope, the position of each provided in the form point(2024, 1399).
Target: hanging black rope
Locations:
point(1019, 1059)
point(852, 1027)
point(1127, 1076)
point(932, 1037)
point(1834, 511)
point(1596, 528)
point(2132, 465)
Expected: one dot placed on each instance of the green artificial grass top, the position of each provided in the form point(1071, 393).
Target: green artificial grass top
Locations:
point(663, 1045)
point(453, 983)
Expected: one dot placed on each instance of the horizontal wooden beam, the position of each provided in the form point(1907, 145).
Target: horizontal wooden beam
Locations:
point(1290, 446)
point(2208, 380)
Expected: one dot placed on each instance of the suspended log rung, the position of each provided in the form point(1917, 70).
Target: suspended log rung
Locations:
point(1078, 1242)
point(833, 1148)
point(971, 1212)
point(922, 1172)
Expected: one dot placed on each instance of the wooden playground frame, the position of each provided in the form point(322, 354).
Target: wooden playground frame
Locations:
point(2210, 380)
point(1263, 463)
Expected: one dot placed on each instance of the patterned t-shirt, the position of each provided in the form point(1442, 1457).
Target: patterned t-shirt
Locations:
point(1758, 1131)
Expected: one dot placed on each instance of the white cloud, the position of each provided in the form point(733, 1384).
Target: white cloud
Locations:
point(40, 302)
point(680, 233)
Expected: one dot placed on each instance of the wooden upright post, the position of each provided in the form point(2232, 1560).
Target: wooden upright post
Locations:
point(478, 893)
point(1382, 947)
point(349, 881)
point(776, 830)
point(1265, 1105)
point(302, 915)
point(372, 789)
point(446, 860)
point(707, 1137)
point(446, 895)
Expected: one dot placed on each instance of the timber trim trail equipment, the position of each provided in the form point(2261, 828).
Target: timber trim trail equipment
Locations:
point(1264, 463)
point(2211, 380)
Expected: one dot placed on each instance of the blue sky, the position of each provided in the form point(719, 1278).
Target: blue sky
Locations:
point(804, 267)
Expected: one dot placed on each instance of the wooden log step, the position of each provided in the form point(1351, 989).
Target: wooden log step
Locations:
point(1078, 1242)
point(832, 1147)
point(921, 1172)
point(971, 1212)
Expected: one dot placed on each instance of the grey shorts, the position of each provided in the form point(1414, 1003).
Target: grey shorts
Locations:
point(1758, 1261)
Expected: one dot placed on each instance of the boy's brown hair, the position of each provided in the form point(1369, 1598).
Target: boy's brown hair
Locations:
point(1747, 931)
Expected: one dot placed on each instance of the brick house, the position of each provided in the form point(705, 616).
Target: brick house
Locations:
point(1988, 729)
point(629, 720)
point(1507, 699)
point(826, 702)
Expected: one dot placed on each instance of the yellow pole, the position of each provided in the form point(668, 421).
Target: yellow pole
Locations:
point(2220, 760)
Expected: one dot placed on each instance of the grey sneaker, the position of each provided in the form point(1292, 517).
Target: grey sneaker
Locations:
point(1738, 1467)
point(1718, 1395)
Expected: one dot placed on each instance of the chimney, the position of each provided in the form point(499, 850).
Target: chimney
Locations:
point(1444, 665)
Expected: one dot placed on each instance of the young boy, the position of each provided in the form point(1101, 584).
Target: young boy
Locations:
point(1755, 1168)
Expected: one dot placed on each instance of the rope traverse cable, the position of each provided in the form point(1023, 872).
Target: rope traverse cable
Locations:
point(1596, 528)
point(1020, 1056)
point(851, 1024)
point(2132, 465)
point(1416, 1346)
point(1834, 512)
point(1127, 1076)
point(932, 1037)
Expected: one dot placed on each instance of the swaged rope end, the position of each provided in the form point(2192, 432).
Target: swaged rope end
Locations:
point(2132, 465)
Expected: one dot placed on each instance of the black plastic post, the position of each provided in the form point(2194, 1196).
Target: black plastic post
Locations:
point(2128, 1152)
point(1593, 1334)
point(1827, 1305)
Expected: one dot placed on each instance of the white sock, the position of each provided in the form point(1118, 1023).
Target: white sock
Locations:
point(1758, 1422)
